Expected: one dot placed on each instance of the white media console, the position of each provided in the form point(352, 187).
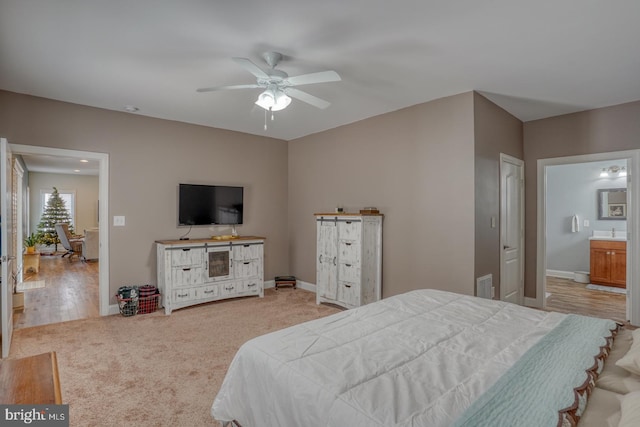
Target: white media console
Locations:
point(202, 270)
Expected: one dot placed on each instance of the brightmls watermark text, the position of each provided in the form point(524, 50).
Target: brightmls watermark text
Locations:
point(35, 415)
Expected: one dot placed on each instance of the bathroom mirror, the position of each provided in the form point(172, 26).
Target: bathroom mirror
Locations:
point(612, 203)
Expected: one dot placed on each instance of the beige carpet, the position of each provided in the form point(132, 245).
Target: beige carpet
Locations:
point(157, 370)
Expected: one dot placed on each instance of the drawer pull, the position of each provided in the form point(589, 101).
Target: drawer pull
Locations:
point(247, 262)
point(209, 292)
point(186, 249)
point(348, 222)
point(334, 261)
point(348, 265)
point(348, 244)
point(230, 288)
point(186, 269)
point(182, 295)
point(347, 286)
point(246, 246)
point(252, 285)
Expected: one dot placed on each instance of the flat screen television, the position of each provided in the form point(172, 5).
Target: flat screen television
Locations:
point(209, 204)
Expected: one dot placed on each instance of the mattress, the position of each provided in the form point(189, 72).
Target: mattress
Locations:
point(416, 359)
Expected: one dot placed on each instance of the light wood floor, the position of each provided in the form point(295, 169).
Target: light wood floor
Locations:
point(568, 296)
point(70, 293)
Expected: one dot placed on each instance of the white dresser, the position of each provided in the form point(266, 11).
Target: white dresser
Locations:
point(202, 270)
point(349, 259)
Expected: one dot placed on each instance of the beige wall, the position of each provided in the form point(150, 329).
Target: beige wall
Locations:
point(603, 130)
point(148, 158)
point(85, 188)
point(417, 166)
point(496, 131)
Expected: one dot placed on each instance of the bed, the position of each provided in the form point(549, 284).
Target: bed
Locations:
point(423, 358)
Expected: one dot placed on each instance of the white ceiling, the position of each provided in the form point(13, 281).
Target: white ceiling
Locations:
point(60, 164)
point(535, 58)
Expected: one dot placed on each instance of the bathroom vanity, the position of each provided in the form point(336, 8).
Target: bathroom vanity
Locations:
point(608, 261)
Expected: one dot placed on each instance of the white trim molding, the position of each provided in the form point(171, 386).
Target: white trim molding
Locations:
point(561, 274)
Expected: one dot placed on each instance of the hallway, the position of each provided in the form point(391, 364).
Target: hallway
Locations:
point(70, 293)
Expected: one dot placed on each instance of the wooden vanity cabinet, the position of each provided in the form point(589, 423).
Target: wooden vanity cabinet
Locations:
point(609, 263)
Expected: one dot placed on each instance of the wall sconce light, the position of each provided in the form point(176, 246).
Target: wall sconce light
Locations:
point(613, 172)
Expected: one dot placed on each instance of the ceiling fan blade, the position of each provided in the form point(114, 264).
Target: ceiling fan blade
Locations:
point(251, 67)
point(213, 89)
point(311, 78)
point(306, 97)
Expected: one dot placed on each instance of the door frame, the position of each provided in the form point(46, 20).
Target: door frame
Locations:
point(103, 208)
point(633, 225)
point(505, 158)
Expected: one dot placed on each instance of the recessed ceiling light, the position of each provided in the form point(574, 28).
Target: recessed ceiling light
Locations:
point(131, 108)
point(84, 161)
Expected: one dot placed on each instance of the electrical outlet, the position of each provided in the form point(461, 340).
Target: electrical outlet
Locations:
point(118, 221)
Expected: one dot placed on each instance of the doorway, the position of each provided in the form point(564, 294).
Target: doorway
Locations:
point(102, 160)
point(576, 222)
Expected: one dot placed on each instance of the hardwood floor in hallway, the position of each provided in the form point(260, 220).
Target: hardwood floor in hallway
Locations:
point(70, 293)
point(568, 296)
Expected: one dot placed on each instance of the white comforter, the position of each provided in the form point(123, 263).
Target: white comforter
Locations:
point(416, 359)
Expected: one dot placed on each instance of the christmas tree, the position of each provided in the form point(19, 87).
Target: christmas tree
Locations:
point(55, 212)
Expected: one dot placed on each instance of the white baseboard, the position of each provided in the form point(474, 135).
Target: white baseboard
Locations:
point(561, 274)
point(299, 284)
point(306, 286)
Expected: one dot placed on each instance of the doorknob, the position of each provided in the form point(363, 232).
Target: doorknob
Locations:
point(506, 247)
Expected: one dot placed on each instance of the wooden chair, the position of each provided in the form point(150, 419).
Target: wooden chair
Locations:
point(73, 244)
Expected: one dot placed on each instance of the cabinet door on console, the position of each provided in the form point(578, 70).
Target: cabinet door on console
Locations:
point(327, 265)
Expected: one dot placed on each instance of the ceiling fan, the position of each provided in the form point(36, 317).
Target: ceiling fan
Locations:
point(278, 86)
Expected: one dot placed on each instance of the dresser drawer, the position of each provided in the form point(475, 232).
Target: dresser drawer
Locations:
point(231, 288)
point(349, 251)
point(210, 291)
point(183, 295)
point(349, 272)
point(185, 257)
point(247, 252)
point(251, 287)
point(350, 229)
point(187, 276)
point(246, 268)
point(349, 293)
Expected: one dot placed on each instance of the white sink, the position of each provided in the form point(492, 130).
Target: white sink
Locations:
point(620, 235)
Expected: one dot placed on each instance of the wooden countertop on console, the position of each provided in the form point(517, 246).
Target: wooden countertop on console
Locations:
point(348, 214)
point(30, 380)
point(209, 240)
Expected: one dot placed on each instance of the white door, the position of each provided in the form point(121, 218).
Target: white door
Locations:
point(327, 261)
point(6, 247)
point(511, 229)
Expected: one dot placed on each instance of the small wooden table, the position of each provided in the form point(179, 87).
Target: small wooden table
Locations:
point(31, 261)
point(30, 381)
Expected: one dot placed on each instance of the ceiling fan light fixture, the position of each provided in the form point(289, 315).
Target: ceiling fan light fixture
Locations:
point(273, 100)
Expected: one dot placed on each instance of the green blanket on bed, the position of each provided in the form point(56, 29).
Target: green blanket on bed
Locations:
point(541, 383)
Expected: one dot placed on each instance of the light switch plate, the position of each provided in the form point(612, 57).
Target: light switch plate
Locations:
point(586, 223)
point(118, 221)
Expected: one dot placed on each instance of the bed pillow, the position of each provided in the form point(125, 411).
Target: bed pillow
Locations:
point(631, 360)
point(630, 410)
point(614, 378)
